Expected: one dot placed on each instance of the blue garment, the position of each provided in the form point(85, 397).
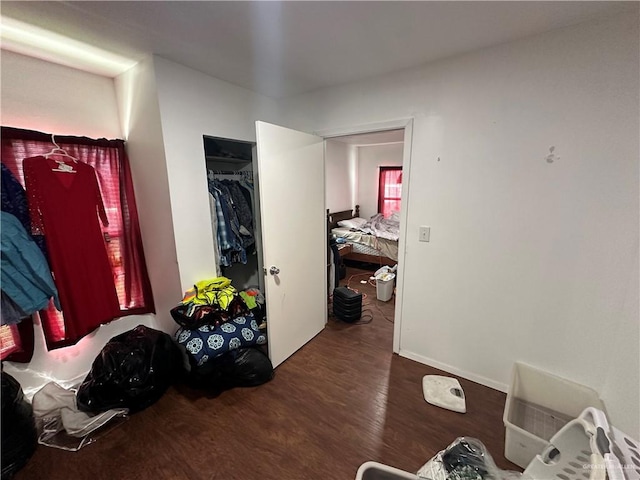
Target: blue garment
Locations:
point(14, 201)
point(224, 244)
point(229, 208)
point(237, 254)
point(243, 211)
point(10, 313)
point(26, 277)
point(229, 239)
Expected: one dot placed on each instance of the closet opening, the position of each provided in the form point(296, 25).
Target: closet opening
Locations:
point(230, 178)
point(363, 201)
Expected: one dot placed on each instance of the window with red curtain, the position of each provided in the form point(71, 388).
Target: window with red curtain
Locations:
point(124, 242)
point(389, 190)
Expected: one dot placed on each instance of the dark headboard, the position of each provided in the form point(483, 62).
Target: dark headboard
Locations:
point(335, 217)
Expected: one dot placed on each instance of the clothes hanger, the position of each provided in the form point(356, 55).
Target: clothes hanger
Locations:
point(59, 151)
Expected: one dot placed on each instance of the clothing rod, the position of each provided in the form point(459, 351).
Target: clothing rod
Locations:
point(230, 174)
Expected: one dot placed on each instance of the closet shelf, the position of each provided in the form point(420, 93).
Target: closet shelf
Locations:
point(214, 158)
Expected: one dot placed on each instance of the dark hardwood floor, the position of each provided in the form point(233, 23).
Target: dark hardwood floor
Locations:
point(342, 400)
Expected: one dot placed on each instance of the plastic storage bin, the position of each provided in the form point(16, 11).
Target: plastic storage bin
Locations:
point(538, 405)
point(587, 448)
point(384, 286)
point(379, 471)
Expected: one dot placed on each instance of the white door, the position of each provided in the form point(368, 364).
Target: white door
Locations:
point(294, 239)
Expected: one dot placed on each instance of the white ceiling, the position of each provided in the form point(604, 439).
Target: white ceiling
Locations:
point(286, 48)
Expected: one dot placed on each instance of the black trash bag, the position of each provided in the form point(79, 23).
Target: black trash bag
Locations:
point(251, 367)
point(244, 367)
point(19, 435)
point(133, 370)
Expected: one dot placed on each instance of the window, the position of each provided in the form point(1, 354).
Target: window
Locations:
point(124, 242)
point(389, 190)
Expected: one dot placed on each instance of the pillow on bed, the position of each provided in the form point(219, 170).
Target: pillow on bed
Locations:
point(356, 222)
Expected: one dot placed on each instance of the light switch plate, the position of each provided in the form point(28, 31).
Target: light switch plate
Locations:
point(424, 233)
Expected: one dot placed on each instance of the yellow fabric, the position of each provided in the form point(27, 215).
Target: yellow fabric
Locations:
point(214, 291)
point(249, 300)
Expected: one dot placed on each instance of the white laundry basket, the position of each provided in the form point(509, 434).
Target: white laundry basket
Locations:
point(379, 471)
point(587, 448)
point(384, 286)
point(538, 405)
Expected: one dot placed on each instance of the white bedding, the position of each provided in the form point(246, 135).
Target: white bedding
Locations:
point(381, 246)
point(381, 227)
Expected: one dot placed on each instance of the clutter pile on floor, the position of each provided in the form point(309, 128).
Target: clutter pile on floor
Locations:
point(222, 334)
point(219, 345)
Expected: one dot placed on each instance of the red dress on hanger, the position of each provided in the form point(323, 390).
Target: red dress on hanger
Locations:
point(65, 207)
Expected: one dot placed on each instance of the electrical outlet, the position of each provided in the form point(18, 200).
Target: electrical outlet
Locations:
point(424, 233)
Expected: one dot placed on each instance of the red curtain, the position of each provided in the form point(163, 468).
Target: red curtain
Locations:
point(389, 190)
point(109, 159)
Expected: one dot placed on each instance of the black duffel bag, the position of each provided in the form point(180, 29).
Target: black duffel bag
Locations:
point(133, 370)
point(19, 435)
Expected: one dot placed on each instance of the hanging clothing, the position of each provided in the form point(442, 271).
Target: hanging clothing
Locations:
point(230, 211)
point(65, 206)
point(26, 277)
point(243, 212)
point(229, 228)
point(232, 204)
point(222, 232)
point(14, 201)
point(214, 229)
point(10, 311)
point(246, 189)
point(248, 192)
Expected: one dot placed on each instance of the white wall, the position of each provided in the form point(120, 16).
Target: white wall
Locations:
point(528, 260)
point(43, 96)
point(47, 97)
point(370, 159)
point(340, 180)
point(193, 104)
point(140, 118)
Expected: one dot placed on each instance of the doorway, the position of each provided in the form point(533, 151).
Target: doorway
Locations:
point(283, 153)
point(365, 170)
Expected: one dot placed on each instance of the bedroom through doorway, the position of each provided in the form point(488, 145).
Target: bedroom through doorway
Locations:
point(363, 178)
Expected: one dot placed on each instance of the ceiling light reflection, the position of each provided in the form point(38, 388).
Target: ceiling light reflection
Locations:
point(20, 37)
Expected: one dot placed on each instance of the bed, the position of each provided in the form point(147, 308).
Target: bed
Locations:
point(367, 244)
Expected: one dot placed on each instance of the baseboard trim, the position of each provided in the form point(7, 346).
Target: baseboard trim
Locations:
point(487, 382)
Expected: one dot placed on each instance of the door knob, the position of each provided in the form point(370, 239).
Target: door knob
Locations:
point(274, 270)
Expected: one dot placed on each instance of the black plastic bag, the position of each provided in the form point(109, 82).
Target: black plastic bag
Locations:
point(244, 367)
point(465, 459)
point(194, 316)
point(466, 453)
point(19, 435)
point(251, 367)
point(133, 370)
